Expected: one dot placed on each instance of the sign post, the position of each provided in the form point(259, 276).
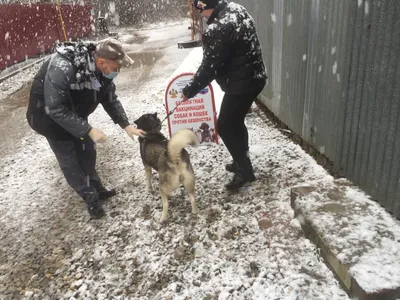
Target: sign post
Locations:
point(197, 114)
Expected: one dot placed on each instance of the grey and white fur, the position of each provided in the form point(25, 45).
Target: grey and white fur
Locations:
point(168, 158)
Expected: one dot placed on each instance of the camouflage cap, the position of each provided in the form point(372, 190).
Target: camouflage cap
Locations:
point(112, 49)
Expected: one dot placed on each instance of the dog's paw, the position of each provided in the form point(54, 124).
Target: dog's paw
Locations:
point(195, 211)
point(164, 217)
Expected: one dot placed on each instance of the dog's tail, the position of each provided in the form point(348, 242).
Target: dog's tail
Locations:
point(180, 140)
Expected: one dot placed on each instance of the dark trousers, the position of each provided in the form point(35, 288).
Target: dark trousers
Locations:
point(231, 127)
point(77, 160)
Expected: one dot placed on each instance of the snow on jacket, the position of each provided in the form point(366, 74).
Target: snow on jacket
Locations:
point(66, 90)
point(231, 53)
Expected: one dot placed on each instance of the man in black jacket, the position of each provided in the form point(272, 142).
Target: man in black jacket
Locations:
point(231, 55)
point(66, 90)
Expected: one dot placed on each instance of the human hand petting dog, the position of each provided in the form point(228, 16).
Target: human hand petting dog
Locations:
point(97, 135)
point(132, 131)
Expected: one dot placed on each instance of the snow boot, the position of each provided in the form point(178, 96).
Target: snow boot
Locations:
point(233, 167)
point(244, 174)
point(104, 194)
point(94, 207)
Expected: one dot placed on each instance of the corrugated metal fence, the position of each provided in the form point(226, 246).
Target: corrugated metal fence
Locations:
point(335, 80)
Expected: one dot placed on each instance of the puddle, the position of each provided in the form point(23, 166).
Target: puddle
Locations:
point(148, 58)
point(136, 38)
point(13, 125)
point(19, 99)
point(333, 208)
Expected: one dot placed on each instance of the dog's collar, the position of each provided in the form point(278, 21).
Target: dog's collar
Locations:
point(151, 136)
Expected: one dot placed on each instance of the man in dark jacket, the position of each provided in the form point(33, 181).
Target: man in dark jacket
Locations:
point(66, 90)
point(231, 55)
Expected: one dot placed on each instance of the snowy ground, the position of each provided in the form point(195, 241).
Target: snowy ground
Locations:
point(240, 246)
point(18, 81)
point(358, 231)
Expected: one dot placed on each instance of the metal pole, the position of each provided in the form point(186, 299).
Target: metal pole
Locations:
point(192, 15)
point(61, 20)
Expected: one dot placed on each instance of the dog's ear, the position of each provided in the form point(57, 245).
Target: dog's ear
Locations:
point(155, 115)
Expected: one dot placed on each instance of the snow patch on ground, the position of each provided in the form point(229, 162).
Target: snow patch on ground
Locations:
point(359, 231)
point(13, 84)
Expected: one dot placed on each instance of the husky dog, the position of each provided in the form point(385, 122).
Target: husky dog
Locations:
point(168, 158)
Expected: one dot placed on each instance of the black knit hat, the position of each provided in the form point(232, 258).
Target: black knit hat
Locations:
point(205, 4)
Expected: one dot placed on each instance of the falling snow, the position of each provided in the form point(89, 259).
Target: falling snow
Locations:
point(112, 7)
point(366, 7)
point(242, 246)
point(239, 246)
point(289, 20)
point(334, 68)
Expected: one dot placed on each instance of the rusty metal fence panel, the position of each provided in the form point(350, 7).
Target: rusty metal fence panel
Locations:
point(28, 30)
point(334, 79)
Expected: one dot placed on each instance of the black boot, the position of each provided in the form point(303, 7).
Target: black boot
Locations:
point(96, 211)
point(104, 194)
point(251, 167)
point(94, 207)
point(232, 168)
point(243, 175)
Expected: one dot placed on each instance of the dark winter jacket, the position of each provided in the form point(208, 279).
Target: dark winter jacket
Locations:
point(65, 91)
point(231, 53)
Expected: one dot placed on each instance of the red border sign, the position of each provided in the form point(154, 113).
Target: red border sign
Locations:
point(197, 114)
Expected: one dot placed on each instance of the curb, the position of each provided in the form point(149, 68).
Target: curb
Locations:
point(11, 74)
point(348, 282)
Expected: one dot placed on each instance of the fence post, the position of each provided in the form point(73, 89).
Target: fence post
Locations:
point(61, 20)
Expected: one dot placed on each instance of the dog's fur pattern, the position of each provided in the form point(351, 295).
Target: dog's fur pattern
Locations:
point(205, 135)
point(169, 158)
